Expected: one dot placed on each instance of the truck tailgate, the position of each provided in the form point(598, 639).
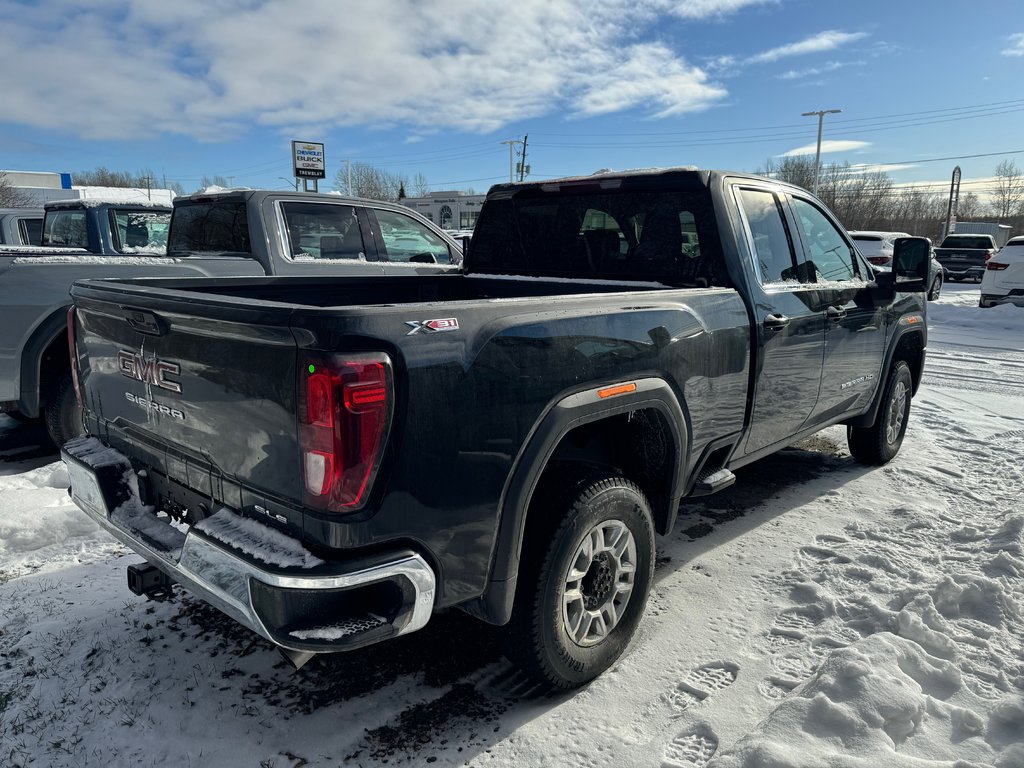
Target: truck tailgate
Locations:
point(205, 389)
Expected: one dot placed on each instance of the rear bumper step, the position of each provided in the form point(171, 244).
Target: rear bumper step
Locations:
point(302, 604)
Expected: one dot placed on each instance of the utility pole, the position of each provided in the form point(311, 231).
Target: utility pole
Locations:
point(149, 186)
point(522, 161)
point(817, 155)
point(511, 156)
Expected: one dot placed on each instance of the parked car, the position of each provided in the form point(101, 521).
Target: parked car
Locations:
point(1003, 282)
point(334, 460)
point(248, 232)
point(965, 256)
point(877, 248)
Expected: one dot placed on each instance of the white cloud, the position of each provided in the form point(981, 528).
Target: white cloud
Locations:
point(702, 9)
point(861, 168)
point(1016, 45)
point(827, 146)
point(799, 74)
point(120, 69)
point(823, 41)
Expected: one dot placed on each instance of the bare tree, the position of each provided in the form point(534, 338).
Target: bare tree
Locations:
point(798, 170)
point(370, 182)
point(12, 197)
point(420, 187)
point(1008, 192)
point(216, 181)
point(865, 199)
point(144, 178)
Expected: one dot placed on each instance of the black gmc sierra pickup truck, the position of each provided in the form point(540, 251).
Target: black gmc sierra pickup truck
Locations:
point(331, 461)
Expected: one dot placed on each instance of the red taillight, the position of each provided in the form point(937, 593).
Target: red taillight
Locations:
point(73, 355)
point(996, 266)
point(989, 255)
point(345, 408)
point(879, 261)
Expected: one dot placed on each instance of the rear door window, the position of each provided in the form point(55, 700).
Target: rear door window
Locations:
point(31, 231)
point(771, 241)
point(323, 231)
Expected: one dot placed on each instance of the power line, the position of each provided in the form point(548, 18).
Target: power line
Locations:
point(964, 108)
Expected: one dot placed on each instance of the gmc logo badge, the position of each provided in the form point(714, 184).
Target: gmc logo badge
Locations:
point(151, 371)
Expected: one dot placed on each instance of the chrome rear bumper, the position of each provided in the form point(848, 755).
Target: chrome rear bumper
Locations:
point(312, 607)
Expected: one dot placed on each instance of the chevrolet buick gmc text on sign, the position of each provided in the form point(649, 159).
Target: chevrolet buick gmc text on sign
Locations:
point(308, 159)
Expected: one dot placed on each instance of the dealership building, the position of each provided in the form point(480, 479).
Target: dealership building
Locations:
point(449, 210)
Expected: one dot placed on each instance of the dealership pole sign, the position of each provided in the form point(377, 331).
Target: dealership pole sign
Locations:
point(308, 160)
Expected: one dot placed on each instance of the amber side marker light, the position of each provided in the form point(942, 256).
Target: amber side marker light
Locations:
point(620, 389)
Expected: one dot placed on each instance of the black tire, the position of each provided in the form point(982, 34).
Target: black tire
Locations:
point(64, 418)
point(933, 294)
point(540, 637)
point(880, 442)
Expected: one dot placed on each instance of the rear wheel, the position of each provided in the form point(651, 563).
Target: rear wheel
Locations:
point(583, 583)
point(64, 418)
point(880, 442)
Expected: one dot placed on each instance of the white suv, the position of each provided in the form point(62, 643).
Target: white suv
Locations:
point(1003, 281)
point(877, 248)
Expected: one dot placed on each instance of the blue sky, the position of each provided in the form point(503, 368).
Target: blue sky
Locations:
point(199, 88)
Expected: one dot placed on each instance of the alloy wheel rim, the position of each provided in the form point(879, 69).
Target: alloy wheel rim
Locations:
point(897, 411)
point(599, 582)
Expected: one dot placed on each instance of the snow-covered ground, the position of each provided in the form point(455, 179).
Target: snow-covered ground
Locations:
point(818, 613)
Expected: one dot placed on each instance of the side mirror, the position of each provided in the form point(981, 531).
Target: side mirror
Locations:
point(911, 259)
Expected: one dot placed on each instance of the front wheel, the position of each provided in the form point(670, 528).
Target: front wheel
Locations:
point(64, 418)
point(880, 442)
point(583, 587)
point(933, 294)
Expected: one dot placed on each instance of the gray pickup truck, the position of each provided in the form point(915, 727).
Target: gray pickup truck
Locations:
point(21, 226)
point(233, 233)
point(965, 256)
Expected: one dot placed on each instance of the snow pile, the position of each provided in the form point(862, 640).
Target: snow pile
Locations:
point(883, 701)
point(39, 526)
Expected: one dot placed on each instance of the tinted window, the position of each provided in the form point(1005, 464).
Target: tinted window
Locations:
point(829, 256)
point(408, 240)
point(218, 226)
point(141, 231)
point(670, 237)
point(772, 247)
point(323, 231)
point(66, 229)
point(966, 241)
point(31, 231)
point(867, 238)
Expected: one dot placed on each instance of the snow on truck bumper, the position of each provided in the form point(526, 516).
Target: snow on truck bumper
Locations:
point(261, 578)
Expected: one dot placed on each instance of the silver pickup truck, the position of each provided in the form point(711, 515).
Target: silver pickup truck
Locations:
point(21, 226)
point(233, 233)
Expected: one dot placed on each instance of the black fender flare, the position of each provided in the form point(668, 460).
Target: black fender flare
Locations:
point(32, 353)
point(560, 418)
